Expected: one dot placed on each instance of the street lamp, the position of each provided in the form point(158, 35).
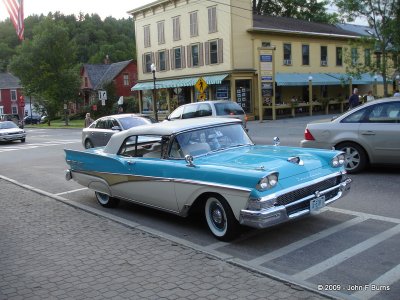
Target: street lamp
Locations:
point(153, 70)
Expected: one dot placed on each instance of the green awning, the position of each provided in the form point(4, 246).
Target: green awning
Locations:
point(364, 78)
point(301, 79)
point(173, 83)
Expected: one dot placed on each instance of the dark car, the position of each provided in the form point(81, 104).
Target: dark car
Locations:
point(32, 119)
point(100, 131)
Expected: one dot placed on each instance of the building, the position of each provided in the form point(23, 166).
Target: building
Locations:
point(96, 77)
point(269, 65)
point(10, 95)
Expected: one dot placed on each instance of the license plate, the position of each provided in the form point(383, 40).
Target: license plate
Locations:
point(317, 203)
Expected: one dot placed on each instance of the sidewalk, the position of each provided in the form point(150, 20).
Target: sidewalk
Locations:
point(50, 250)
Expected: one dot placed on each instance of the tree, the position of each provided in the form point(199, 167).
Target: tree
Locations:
point(381, 17)
point(47, 66)
point(309, 10)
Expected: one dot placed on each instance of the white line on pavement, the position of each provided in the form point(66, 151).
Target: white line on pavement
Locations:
point(344, 255)
point(70, 192)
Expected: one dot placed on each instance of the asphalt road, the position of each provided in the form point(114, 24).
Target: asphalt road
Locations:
point(349, 250)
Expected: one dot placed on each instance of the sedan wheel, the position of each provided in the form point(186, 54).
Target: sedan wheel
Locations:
point(106, 201)
point(356, 158)
point(88, 144)
point(220, 219)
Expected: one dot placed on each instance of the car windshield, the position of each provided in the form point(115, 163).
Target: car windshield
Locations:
point(7, 125)
point(129, 122)
point(205, 140)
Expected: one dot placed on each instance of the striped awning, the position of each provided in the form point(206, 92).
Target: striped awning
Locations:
point(173, 83)
point(301, 79)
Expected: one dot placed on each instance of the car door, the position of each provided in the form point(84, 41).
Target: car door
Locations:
point(100, 133)
point(381, 129)
point(149, 180)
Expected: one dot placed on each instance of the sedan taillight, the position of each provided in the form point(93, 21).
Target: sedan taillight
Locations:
point(308, 136)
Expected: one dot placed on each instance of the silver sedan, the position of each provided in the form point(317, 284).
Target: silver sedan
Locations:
point(100, 131)
point(368, 134)
point(10, 132)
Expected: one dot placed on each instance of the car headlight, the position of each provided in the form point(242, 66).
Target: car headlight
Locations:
point(268, 182)
point(338, 160)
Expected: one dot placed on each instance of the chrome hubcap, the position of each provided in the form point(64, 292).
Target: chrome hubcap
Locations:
point(217, 216)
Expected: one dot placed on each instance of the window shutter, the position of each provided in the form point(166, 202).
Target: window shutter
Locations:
point(189, 56)
point(201, 56)
point(144, 63)
point(220, 51)
point(167, 60)
point(172, 54)
point(207, 54)
point(157, 62)
point(183, 57)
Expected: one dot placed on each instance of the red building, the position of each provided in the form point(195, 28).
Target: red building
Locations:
point(11, 101)
point(96, 77)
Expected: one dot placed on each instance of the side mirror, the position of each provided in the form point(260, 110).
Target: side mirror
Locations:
point(189, 160)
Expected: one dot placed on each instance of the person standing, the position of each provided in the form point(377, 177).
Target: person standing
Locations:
point(370, 97)
point(354, 99)
point(88, 120)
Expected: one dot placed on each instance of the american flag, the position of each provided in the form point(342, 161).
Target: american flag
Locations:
point(16, 10)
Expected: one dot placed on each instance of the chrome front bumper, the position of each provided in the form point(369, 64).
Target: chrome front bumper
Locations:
point(279, 214)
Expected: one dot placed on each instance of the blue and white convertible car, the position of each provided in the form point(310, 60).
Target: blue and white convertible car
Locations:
point(210, 164)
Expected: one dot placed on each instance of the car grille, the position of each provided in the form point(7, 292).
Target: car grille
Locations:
point(11, 133)
point(293, 196)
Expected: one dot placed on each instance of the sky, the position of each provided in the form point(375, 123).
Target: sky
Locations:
point(114, 8)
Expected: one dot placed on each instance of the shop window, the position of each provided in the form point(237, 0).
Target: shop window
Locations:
point(243, 94)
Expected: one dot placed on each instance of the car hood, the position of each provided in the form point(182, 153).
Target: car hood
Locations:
point(269, 158)
point(11, 130)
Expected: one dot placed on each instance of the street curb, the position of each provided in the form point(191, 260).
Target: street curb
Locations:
point(220, 256)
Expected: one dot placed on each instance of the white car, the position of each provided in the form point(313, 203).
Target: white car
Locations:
point(9, 132)
point(368, 134)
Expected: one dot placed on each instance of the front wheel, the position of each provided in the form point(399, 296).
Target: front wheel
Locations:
point(355, 157)
point(106, 201)
point(220, 219)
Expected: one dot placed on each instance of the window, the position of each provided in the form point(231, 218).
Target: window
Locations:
point(367, 57)
point(306, 54)
point(212, 19)
point(265, 44)
point(354, 56)
point(287, 54)
point(147, 61)
point(126, 79)
point(14, 110)
point(339, 56)
point(194, 27)
point(176, 29)
point(146, 32)
point(161, 33)
point(213, 52)
point(195, 55)
point(13, 94)
point(324, 55)
point(178, 58)
point(162, 60)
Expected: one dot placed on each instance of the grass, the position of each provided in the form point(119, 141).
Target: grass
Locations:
point(60, 124)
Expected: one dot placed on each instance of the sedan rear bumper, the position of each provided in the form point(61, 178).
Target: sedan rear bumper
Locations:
point(283, 213)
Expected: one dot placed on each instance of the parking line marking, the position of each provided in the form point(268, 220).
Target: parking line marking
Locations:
point(382, 282)
point(344, 255)
point(365, 215)
point(305, 241)
point(70, 192)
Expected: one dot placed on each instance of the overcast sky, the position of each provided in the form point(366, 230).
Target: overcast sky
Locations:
point(114, 8)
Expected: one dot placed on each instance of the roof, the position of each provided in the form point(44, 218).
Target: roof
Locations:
point(102, 74)
point(359, 29)
point(9, 81)
point(291, 25)
point(165, 128)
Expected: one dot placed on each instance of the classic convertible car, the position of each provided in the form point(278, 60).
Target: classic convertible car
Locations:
point(210, 164)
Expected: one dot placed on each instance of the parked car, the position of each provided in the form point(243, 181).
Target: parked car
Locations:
point(368, 134)
point(100, 131)
point(32, 119)
point(210, 164)
point(217, 108)
point(9, 132)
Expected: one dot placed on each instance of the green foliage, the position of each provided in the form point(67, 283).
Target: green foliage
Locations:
point(309, 10)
